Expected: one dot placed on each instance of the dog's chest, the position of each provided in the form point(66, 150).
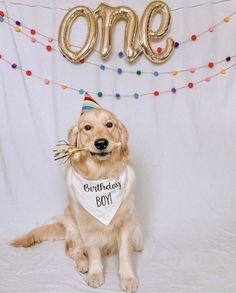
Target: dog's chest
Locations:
point(100, 198)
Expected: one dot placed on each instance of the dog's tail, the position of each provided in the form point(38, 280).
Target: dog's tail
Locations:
point(50, 232)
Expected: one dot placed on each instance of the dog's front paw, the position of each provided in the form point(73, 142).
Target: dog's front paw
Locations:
point(95, 279)
point(128, 284)
point(82, 264)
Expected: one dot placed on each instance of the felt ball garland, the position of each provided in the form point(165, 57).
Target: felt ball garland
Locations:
point(28, 72)
point(49, 48)
point(194, 37)
point(120, 54)
point(17, 29)
point(176, 44)
point(119, 71)
point(46, 81)
point(136, 95)
point(63, 86)
point(190, 85)
point(33, 31)
point(211, 29)
point(227, 18)
point(211, 64)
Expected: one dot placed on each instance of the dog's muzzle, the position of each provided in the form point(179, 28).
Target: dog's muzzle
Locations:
point(103, 152)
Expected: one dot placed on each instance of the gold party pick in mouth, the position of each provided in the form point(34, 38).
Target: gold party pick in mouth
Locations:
point(67, 152)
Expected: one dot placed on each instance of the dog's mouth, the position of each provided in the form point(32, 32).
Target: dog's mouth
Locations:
point(103, 154)
point(100, 154)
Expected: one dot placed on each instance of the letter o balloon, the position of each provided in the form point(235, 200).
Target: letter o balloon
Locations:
point(65, 30)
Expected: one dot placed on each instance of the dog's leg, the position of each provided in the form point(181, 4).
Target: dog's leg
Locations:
point(128, 281)
point(74, 244)
point(73, 249)
point(138, 238)
point(95, 275)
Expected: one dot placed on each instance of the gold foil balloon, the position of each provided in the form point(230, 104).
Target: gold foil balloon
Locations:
point(110, 16)
point(147, 35)
point(65, 29)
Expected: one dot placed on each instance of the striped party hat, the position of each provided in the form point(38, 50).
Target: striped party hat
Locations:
point(89, 103)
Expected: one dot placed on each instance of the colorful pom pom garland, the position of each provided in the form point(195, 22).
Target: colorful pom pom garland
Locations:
point(117, 95)
point(120, 54)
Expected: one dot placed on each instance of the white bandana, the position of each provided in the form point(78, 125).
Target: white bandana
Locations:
point(101, 198)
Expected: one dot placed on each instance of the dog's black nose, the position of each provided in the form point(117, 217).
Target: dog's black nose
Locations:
point(101, 143)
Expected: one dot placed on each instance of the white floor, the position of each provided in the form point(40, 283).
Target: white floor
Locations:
point(197, 264)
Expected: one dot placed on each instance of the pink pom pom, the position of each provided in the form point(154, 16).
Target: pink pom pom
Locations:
point(46, 81)
point(211, 29)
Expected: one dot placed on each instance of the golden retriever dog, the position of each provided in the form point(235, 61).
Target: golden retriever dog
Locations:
point(103, 167)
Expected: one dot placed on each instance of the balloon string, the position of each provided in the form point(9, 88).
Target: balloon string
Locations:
point(140, 9)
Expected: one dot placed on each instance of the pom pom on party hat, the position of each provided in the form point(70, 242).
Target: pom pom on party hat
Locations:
point(89, 103)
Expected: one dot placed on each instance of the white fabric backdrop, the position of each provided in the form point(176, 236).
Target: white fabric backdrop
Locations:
point(183, 148)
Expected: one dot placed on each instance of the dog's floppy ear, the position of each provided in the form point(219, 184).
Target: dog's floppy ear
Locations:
point(73, 135)
point(124, 139)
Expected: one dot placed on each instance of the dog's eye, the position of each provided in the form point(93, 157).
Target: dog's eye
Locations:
point(109, 124)
point(87, 127)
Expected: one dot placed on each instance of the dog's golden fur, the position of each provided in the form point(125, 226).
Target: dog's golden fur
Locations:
point(86, 239)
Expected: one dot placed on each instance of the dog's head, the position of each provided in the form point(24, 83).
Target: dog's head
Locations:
point(101, 133)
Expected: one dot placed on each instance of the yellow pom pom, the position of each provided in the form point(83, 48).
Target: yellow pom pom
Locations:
point(223, 71)
point(227, 18)
point(64, 86)
point(17, 29)
point(175, 72)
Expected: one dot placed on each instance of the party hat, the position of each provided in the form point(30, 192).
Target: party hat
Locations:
point(89, 103)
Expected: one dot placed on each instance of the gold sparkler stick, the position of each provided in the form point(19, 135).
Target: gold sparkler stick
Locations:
point(66, 152)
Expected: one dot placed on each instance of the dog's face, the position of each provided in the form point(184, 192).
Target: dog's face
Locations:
point(101, 133)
